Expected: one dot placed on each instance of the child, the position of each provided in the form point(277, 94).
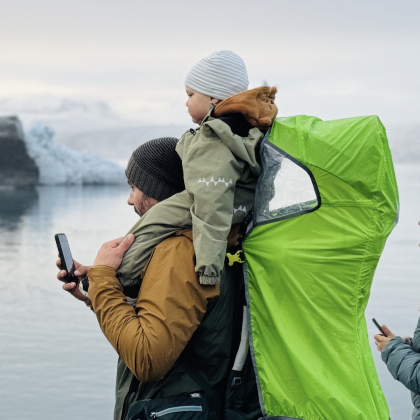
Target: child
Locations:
point(220, 163)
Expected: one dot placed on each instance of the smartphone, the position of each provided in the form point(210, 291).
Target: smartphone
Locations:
point(67, 262)
point(379, 327)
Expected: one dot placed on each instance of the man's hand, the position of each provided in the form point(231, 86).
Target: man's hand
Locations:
point(112, 252)
point(381, 341)
point(73, 287)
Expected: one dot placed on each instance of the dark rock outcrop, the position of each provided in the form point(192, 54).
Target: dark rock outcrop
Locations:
point(17, 168)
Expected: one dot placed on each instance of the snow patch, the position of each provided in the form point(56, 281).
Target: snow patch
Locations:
point(59, 164)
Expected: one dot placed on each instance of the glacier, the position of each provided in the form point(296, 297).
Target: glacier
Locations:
point(61, 165)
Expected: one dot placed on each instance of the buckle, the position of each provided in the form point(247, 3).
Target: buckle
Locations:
point(236, 381)
point(234, 258)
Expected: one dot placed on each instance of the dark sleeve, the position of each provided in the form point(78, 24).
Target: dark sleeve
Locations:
point(403, 363)
point(416, 338)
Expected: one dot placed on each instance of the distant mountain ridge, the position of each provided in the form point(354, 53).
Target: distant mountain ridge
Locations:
point(92, 125)
point(87, 125)
point(51, 105)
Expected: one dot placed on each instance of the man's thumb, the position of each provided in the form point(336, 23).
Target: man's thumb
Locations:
point(126, 242)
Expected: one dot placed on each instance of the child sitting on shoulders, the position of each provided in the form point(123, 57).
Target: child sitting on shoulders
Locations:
point(221, 166)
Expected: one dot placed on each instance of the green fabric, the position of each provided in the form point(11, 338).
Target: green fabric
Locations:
point(309, 276)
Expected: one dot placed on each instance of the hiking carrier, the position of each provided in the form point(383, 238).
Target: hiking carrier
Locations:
point(325, 204)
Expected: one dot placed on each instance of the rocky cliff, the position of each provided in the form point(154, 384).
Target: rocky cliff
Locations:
point(17, 169)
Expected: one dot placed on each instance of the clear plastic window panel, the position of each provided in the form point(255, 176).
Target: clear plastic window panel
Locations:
point(285, 188)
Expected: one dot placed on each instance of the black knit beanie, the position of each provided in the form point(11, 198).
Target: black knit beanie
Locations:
point(156, 169)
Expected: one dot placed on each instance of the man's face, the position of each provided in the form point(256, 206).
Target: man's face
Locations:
point(198, 104)
point(140, 201)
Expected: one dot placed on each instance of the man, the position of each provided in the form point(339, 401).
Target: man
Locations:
point(181, 337)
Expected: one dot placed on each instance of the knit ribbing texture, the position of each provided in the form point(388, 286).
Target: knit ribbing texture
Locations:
point(219, 75)
point(156, 169)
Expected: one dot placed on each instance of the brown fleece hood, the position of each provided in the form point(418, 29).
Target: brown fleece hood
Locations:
point(256, 105)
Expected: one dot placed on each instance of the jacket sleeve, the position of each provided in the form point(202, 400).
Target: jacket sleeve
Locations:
point(211, 172)
point(416, 338)
point(403, 363)
point(170, 306)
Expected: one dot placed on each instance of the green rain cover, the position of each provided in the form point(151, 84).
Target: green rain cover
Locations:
point(326, 201)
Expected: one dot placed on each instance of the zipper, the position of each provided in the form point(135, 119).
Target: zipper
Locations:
point(179, 409)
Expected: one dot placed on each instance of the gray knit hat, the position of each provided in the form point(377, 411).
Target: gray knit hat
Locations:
point(156, 169)
point(219, 75)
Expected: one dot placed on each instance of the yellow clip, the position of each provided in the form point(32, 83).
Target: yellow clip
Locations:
point(234, 258)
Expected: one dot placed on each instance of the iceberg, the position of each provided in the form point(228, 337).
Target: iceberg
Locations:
point(59, 164)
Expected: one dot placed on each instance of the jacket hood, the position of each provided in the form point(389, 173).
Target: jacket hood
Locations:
point(256, 105)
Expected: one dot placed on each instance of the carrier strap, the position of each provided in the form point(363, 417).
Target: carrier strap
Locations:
point(134, 384)
point(200, 378)
point(244, 345)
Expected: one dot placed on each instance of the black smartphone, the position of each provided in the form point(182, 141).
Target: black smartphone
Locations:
point(379, 327)
point(67, 262)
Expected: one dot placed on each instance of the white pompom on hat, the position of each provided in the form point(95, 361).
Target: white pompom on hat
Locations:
point(219, 75)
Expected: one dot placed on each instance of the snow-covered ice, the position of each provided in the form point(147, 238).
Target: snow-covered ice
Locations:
point(59, 164)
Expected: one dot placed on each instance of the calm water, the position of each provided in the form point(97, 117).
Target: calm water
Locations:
point(54, 360)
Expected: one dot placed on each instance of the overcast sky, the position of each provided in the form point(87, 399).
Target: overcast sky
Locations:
point(328, 58)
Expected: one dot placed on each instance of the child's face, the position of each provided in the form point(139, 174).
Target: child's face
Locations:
point(198, 104)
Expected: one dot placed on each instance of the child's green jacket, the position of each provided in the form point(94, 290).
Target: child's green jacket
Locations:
point(221, 167)
point(220, 174)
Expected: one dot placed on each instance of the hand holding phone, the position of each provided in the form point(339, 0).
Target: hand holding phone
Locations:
point(64, 252)
point(379, 327)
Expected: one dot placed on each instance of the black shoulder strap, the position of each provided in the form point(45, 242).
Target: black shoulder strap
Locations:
point(134, 384)
point(200, 378)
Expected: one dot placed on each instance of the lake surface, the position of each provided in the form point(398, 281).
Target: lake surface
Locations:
point(54, 360)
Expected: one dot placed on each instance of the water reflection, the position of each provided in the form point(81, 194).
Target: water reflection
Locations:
point(14, 203)
point(51, 348)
